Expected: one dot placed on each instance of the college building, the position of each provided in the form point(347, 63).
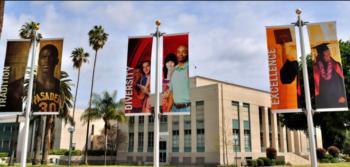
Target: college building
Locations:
point(228, 123)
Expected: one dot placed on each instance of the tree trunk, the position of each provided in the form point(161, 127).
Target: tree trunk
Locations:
point(38, 137)
point(106, 139)
point(47, 139)
point(88, 121)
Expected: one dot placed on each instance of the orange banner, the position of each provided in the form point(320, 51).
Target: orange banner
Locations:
point(329, 90)
point(283, 68)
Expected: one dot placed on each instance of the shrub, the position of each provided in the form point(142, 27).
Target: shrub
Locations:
point(100, 152)
point(251, 162)
point(271, 153)
point(320, 152)
point(58, 151)
point(267, 161)
point(74, 153)
point(280, 162)
point(334, 151)
point(260, 162)
point(4, 154)
point(334, 160)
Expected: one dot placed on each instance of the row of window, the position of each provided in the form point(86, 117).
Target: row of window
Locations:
point(236, 128)
point(175, 132)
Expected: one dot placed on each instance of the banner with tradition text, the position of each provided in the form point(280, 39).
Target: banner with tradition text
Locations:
point(138, 77)
point(46, 91)
point(283, 68)
point(330, 94)
point(12, 87)
point(176, 85)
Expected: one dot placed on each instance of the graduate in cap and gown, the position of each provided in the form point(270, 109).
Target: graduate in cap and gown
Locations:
point(329, 79)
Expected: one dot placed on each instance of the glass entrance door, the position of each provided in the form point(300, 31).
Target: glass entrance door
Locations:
point(162, 151)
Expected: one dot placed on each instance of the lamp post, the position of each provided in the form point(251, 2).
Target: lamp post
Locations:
point(71, 130)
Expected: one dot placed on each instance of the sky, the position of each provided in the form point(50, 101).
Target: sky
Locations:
point(227, 39)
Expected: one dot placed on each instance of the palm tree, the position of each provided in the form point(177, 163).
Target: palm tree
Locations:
point(97, 39)
point(78, 57)
point(66, 103)
point(104, 107)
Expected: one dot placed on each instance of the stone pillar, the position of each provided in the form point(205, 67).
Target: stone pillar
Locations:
point(274, 143)
point(265, 124)
point(290, 136)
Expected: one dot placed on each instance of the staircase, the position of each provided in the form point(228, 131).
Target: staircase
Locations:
point(295, 159)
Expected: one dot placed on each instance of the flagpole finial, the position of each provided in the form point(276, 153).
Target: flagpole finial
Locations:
point(158, 22)
point(298, 11)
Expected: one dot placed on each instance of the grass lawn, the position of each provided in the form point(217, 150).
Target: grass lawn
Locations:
point(347, 164)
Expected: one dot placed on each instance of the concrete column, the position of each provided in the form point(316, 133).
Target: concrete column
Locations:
point(136, 133)
point(283, 139)
point(274, 143)
point(145, 134)
point(290, 136)
point(297, 142)
point(181, 134)
point(265, 124)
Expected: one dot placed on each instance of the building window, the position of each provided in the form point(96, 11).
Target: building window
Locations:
point(163, 123)
point(236, 136)
point(150, 142)
point(175, 141)
point(187, 140)
point(131, 142)
point(141, 123)
point(151, 119)
point(140, 143)
point(261, 112)
point(200, 110)
point(247, 138)
point(200, 140)
point(175, 122)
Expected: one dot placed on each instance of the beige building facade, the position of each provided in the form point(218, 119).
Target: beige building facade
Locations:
point(220, 113)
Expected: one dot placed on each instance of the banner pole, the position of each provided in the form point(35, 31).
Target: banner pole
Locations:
point(309, 114)
point(157, 34)
point(29, 102)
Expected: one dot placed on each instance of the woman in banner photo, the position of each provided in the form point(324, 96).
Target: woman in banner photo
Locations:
point(137, 95)
point(46, 97)
point(168, 68)
point(329, 79)
point(144, 85)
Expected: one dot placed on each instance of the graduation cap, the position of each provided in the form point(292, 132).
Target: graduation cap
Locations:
point(289, 71)
point(282, 36)
point(321, 47)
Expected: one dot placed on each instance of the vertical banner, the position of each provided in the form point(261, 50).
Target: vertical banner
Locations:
point(283, 68)
point(12, 89)
point(176, 87)
point(330, 92)
point(138, 77)
point(46, 92)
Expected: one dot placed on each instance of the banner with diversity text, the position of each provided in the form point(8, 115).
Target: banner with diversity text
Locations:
point(138, 77)
point(176, 87)
point(283, 68)
point(12, 87)
point(46, 92)
point(330, 94)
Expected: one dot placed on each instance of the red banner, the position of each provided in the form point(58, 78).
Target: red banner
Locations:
point(176, 88)
point(138, 77)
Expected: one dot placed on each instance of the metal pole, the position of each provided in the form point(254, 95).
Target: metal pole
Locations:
point(157, 34)
point(29, 102)
point(310, 122)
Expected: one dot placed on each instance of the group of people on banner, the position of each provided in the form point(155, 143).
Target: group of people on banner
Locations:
point(329, 88)
point(46, 88)
point(175, 83)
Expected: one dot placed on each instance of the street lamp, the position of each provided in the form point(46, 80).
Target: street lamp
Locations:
point(235, 139)
point(71, 129)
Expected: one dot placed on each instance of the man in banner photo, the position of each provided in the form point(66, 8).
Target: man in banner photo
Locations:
point(138, 79)
point(11, 94)
point(283, 68)
point(328, 74)
point(176, 95)
point(47, 83)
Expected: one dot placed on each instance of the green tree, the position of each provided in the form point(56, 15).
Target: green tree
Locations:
point(332, 124)
point(104, 107)
point(79, 56)
point(97, 39)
